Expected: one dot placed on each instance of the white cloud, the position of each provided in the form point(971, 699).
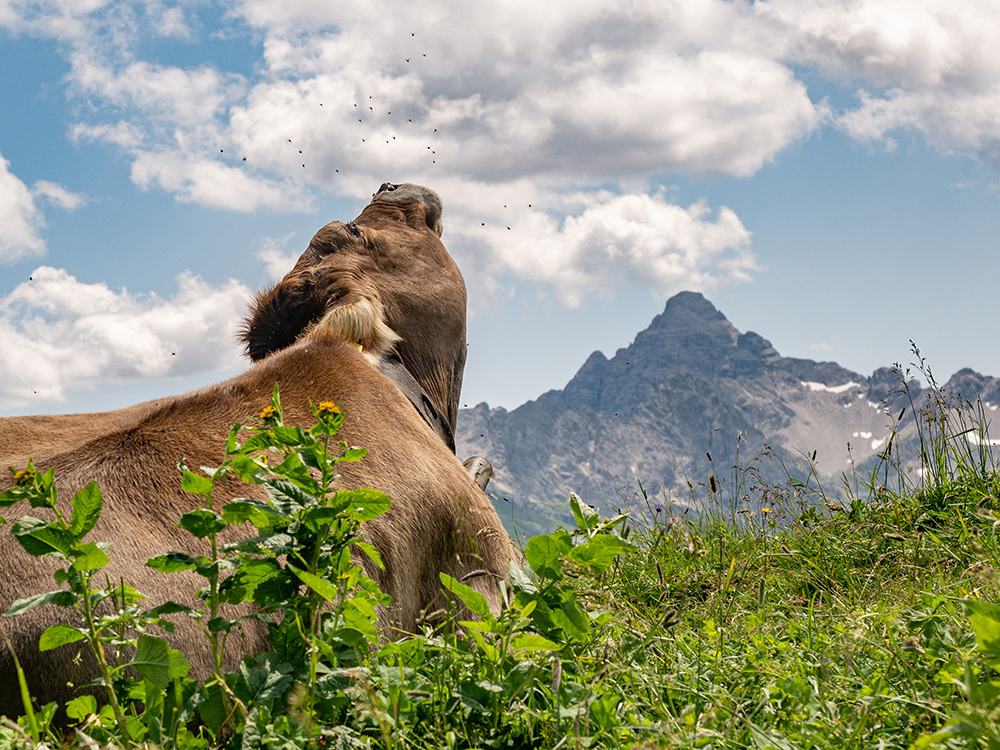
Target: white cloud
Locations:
point(929, 65)
point(518, 99)
point(58, 195)
point(543, 102)
point(171, 22)
point(214, 184)
point(277, 259)
point(585, 92)
point(57, 333)
point(583, 243)
point(20, 220)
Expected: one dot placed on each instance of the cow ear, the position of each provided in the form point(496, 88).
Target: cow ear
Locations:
point(277, 316)
point(432, 210)
point(408, 193)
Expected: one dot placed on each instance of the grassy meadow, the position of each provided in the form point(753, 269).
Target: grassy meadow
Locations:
point(777, 617)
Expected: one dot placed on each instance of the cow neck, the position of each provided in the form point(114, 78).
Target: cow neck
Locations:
point(394, 369)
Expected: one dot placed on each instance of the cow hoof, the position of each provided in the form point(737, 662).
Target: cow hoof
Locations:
point(480, 469)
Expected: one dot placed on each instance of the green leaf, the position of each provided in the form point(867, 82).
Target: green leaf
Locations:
point(533, 642)
point(232, 443)
point(320, 585)
point(169, 608)
point(60, 635)
point(179, 666)
point(259, 514)
point(219, 625)
point(599, 552)
point(241, 585)
point(488, 649)
point(363, 504)
point(201, 522)
point(60, 598)
point(89, 556)
point(543, 553)
point(353, 454)
point(29, 711)
point(293, 470)
point(472, 599)
point(43, 538)
point(87, 505)
point(289, 435)
point(212, 707)
point(985, 619)
point(81, 707)
point(287, 497)
point(195, 484)
point(360, 622)
point(482, 627)
point(246, 468)
point(585, 515)
point(572, 619)
point(314, 456)
point(172, 562)
point(268, 678)
point(521, 580)
point(363, 606)
point(371, 552)
point(152, 659)
point(316, 519)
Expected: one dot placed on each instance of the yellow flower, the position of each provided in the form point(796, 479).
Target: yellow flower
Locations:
point(765, 510)
point(24, 477)
point(327, 409)
point(268, 413)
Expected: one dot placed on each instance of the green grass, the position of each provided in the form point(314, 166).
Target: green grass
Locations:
point(847, 631)
point(778, 617)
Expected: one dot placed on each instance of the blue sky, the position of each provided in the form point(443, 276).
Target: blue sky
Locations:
point(825, 172)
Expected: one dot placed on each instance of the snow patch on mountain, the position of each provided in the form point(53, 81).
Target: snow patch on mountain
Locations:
point(829, 388)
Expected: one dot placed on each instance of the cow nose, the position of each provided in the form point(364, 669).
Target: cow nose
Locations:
point(385, 187)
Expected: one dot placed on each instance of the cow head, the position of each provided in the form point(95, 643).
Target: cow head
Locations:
point(384, 281)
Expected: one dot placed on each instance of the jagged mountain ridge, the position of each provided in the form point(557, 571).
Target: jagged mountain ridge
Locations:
point(686, 387)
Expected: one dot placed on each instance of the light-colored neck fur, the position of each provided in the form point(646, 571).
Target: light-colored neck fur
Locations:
point(359, 323)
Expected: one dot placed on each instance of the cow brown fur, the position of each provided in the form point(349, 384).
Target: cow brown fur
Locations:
point(388, 282)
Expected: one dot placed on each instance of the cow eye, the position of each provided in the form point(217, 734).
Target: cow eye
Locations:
point(353, 229)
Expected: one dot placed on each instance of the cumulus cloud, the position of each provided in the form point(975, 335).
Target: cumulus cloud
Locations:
point(276, 257)
point(58, 195)
point(927, 65)
point(58, 333)
point(592, 242)
point(593, 91)
point(482, 99)
point(21, 221)
point(212, 184)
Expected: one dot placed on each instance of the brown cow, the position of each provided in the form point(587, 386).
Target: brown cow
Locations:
point(384, 281)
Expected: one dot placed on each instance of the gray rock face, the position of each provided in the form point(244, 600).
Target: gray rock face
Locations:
point(689, 387)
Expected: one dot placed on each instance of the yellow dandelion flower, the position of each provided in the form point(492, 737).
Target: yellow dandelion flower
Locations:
point(327, 409)
point(24, 477)
point(765, 510)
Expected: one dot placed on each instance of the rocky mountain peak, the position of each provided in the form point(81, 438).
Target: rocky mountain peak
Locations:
point(690, 387)
point(690, 334)
point(691, 310)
